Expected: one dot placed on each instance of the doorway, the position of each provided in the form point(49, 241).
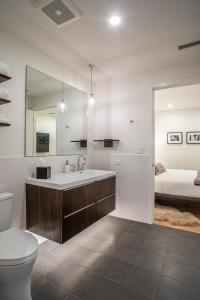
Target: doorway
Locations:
point(177, 160)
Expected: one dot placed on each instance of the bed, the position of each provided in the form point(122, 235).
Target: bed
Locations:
point(177, 186)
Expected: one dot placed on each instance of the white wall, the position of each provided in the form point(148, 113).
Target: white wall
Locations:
point(177, 156)
point(13, 166)
point(132, 97)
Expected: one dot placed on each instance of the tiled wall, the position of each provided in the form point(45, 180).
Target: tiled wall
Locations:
point(131, 97)
point(14, 167)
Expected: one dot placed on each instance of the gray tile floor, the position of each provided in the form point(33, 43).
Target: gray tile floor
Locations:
point(118, 259)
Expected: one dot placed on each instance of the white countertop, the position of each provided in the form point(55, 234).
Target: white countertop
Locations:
point(64, 181)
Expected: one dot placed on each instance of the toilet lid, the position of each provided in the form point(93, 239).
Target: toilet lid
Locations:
point(17, 247)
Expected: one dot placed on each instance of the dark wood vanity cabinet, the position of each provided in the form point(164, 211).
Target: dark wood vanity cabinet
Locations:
point(60, 215)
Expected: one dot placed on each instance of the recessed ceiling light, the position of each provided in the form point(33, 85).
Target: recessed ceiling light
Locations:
point(170, 105)
point(115, 20)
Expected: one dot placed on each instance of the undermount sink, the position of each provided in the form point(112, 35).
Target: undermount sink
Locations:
point(63, 181)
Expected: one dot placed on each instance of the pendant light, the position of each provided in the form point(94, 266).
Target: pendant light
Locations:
point(91, 98)
point(62, 105)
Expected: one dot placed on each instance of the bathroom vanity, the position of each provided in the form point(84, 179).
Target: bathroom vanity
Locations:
point(60, 207)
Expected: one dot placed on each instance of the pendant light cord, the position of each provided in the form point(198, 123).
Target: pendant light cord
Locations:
point(91, 73)
point(62, 93)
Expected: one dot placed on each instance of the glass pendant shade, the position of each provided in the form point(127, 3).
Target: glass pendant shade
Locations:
point(91, 99)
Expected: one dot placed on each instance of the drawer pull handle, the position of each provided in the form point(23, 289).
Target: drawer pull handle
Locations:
point(79, 210)
point(105, 197)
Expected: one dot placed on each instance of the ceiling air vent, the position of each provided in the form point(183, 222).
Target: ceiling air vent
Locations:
point(189, 45)
point(60, 12)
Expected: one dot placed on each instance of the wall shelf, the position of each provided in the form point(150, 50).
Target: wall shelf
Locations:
point(4, 125)
point(107, 142)
point(4, 78)
point(83, 143)
point(4, 101)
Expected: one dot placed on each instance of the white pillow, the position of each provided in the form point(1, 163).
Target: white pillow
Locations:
point(159, 169)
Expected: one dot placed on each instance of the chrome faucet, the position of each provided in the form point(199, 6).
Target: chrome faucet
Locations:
point(80, 167)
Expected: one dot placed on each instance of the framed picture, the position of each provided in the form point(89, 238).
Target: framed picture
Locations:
point(174, 138)
point(193, 137)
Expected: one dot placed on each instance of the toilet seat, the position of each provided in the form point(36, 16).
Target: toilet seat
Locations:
point(17, 247)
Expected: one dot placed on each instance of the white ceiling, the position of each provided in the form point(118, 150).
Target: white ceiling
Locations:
point(39, 84)
point(182, 97)
point(49, 112)
point(147, 37)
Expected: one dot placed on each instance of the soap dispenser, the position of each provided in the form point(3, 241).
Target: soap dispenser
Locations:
point(67, 167)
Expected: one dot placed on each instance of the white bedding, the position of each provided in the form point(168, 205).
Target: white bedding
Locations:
point(177, 182)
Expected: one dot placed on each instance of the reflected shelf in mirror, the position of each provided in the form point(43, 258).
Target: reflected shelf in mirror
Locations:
point(83, 143)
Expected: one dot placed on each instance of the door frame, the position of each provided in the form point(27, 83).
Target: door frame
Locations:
point(165, 85)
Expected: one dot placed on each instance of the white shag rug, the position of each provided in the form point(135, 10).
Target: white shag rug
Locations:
point(175, 217)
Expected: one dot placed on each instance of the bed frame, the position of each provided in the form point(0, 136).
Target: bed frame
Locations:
point(183, 203)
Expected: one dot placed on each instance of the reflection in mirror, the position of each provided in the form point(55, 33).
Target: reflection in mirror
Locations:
point(56, 116)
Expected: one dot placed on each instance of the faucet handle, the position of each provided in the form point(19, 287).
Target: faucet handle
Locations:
point(83, 166)
point(73, 167)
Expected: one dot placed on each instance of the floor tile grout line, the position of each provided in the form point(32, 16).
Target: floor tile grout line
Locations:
point(155, 289)
point(54, 283)
point(174, 279)
point(131, 265)
point(60, 286)
point(116, 282)
point(127, 230)
point(171, 278)
point(161, 274)
point(142, 247)
point(166, 256)
point(114, 242)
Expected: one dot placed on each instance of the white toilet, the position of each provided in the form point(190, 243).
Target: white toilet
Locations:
point(18, 251)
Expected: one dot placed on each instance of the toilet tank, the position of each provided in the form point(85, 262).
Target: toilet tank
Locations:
point(6, 201)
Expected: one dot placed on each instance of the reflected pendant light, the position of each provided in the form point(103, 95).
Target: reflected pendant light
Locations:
point(91, 97)
point(62, 105)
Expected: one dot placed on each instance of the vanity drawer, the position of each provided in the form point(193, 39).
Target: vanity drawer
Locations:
point(105, 206)
point(78, 198)
point(43, 213)
point(78, 221)
point(105, 187)
point(61, 214)
point(32, 207)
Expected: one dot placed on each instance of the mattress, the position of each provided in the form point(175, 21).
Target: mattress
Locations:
point(177, 182)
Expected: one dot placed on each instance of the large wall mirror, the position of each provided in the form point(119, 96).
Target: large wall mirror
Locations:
point(56, 116)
